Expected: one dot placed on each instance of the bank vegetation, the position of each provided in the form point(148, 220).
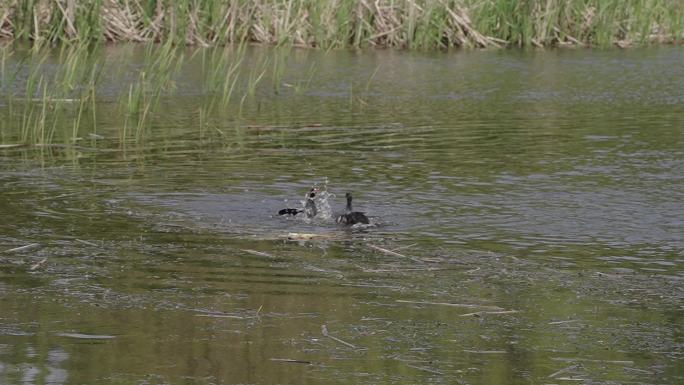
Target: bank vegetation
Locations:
point(413, 24)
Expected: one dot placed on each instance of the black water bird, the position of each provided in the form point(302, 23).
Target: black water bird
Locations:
point(289, 211)
point(310, 209)
point(352, 217)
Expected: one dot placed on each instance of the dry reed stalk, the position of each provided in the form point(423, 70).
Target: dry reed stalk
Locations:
point(463, 25)
point(335, 23)
point(67, 11)
point(6, 25)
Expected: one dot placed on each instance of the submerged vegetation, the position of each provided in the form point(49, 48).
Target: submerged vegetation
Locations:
point(416, 24)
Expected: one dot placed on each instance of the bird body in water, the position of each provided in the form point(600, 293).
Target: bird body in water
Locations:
point(352, 217)
point(310, 209)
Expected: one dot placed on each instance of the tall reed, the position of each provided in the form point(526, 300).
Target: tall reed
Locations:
point(418, 24)
point(156, 77)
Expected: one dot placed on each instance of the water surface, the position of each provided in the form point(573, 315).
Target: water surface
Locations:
point(533, 201)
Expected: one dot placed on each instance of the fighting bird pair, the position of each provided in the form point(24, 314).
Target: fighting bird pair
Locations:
point(349, 218)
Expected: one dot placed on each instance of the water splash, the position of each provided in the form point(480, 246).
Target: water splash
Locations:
point(325, 212)
point(318, 209)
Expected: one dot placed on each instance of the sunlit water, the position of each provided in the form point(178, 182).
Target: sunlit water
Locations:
point(527, 228)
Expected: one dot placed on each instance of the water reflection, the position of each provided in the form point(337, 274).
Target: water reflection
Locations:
point(43, 368)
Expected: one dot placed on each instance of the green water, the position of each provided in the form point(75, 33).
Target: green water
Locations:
point(533, 201)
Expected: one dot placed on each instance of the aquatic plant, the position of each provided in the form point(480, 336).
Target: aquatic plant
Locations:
point(220, 71)
point(156, 77)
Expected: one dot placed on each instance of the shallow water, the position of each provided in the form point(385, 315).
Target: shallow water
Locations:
point(533, 201)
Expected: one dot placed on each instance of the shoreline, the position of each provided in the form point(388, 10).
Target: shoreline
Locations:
point(320, 24)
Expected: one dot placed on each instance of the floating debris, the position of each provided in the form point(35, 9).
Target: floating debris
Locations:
point(424, 369)
point(311, 236)
point(485, 351)
point(23, 248)
point(86, 336)
point(86, 242)
point(38, 264)
point(465, 305)
point(291, 361)
point(324, 331)
point(259, 253)
point(393, 253)
point(480, 313)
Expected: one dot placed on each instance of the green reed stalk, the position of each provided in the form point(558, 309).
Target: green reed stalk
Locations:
point(5, 85)
point(156, 78)
point(371, 77)
point(221, 71)
point(281, 57)
point(416, 24)
point(124, 131)
point(6, 53)
point(202, 116)
point(94, 110)
point(39, 127)
point(256, 74)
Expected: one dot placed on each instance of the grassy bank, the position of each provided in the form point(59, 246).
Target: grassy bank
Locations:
point(416, 24)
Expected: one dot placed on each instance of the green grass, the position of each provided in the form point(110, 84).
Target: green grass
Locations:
point(414, 24)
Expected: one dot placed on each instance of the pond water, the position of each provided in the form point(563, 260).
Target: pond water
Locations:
point(527, 227)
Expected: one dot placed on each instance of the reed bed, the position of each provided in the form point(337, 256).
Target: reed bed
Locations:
point(416, 24)
point(39, 96)
point(54, 95)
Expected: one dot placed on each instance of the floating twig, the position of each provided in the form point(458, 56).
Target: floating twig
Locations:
point(564, 370)
point(259, 253)
point(400, 270)
point(368, 285)
point(562, 322)
point(216, 314)
point(38, 264)
point(479, 313)
point(324, 331)
point(485, 351)
point(405, 247)
point(291, 361)
point(309, 236)
point(219, 316)
point(628, 369)
point(86, 336)
point(22, 248)
point(424, 369)
point(564, 359)
point(50, 198)
point(393, 253)
point(465, 305)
